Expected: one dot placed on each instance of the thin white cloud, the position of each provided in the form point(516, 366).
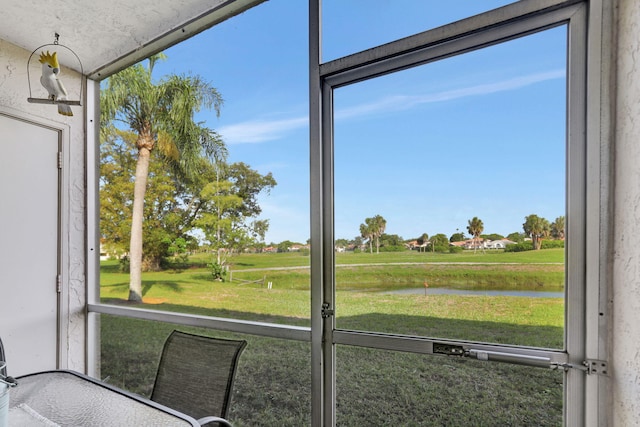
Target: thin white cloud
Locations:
point(257, 131)
point(405, 102)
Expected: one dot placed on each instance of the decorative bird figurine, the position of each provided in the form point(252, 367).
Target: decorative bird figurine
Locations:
point(50, 81)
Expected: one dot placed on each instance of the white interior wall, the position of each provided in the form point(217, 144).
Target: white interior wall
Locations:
point(625, 354)
point(14, 91)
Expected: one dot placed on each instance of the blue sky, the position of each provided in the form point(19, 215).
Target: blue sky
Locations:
point(428, 148)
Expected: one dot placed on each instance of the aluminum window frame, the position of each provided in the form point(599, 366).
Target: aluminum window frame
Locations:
point(585, 396)
point(497, 26)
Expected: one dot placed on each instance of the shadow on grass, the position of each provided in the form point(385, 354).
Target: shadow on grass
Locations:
point(147, 285)
point(273, 382)
point(110, 268)
point(422, 326)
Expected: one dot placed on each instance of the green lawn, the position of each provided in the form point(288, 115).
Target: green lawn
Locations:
point(295, 259)
point(273, 382)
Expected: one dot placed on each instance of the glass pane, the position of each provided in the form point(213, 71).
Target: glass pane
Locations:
point(220, 244)
point(379, 387)
point(266, 391)
point(444, 174)
point(350, 26)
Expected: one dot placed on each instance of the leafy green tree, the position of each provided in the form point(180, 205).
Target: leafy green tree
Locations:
point(161, 114)
point(343, 243)
point(390, 240)
point(285, 245)
point(493, 236)
point(457, 237)
point(439, 242)
point(537, 228)
point(226, 208)
point(475, 227)
point(516, 237)
point(557, 228)
point(163, 222)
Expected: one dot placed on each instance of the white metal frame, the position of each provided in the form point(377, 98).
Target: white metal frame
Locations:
point(509, 22)
point(587, 300)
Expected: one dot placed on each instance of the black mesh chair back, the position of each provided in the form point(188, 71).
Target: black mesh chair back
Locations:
point(196, 373)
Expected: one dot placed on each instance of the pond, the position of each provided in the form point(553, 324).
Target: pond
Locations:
point(446, 291)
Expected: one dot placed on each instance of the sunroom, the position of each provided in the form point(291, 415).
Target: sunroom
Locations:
point(335, 360)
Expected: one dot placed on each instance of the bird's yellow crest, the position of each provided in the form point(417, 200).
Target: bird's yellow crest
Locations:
point(51, 59)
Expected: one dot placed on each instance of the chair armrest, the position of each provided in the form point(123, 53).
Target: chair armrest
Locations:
point(221, 421)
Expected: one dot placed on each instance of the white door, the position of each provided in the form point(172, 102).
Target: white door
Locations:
point(29, 224)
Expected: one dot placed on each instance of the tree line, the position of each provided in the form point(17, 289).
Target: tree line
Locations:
point(534, 228)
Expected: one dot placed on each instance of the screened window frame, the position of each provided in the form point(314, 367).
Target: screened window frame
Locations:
point(586, 319)
point(497, 26)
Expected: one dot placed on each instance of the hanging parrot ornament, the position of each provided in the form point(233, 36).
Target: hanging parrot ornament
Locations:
point(51, 82)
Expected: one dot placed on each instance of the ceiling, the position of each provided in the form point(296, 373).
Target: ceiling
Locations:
point(109, 35)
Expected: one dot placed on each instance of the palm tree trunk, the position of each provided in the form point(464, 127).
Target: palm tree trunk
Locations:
point(135, 249)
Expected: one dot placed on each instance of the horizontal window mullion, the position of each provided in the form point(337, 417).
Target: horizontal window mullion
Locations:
point(273, 330)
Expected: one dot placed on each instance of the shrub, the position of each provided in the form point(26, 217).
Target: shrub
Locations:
point(123, 264)
point(392, 248)
point(455, 249)
point(519, 247)
point(550, 244)
point(218, 271)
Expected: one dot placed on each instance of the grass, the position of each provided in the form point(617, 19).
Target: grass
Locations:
point(374, 387)
point(299, 259)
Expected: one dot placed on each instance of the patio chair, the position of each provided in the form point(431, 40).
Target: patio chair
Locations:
point(195, 376)
point(3, 370)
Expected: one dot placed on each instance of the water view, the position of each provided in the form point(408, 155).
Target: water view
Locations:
point(446, 291)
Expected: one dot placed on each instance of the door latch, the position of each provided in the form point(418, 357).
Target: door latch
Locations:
point(327, 311)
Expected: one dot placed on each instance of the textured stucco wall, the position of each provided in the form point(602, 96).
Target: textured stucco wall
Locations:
point(625, 354)
point(14, 91)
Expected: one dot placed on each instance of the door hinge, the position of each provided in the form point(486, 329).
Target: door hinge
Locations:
point(596, 367)
point(589, 366)
point(59, 283)
point(327, 311)
point(59, 159)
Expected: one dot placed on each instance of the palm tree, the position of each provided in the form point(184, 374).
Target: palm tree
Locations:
point(537, 228)
point(557, 228)
point(475, 227)
point(367, 233)
point(161, 114)
point(379, 225)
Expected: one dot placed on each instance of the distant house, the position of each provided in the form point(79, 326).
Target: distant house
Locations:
point(469, 244)
point(460, 244)
point(415, 245)
point(483, 244)
point(498, 244)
